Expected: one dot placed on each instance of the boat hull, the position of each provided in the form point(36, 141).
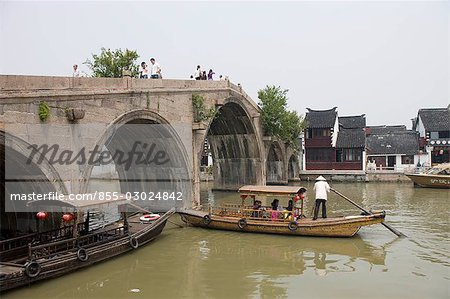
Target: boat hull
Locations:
point(430, 181)
point(329, 227)
point(68, 262)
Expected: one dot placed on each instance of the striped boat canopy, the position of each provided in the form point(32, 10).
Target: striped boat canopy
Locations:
point(272, 190)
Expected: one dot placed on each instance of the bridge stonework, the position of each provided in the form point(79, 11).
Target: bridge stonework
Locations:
point(235, 134)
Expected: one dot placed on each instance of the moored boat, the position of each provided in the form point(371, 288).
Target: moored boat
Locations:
point(286, 222)
point(49, 254)
point(436, 177)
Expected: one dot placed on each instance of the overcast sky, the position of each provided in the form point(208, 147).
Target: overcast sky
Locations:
point(384, 59)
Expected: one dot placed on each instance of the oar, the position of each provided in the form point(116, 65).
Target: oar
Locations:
point(398, 233)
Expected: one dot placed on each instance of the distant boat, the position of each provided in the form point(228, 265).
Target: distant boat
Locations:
point(43, 255)
point(244, 218)
point(436, 177)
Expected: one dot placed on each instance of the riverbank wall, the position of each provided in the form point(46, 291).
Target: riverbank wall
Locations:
point(355, 176)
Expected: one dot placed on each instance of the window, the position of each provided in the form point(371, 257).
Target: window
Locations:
point(319, 155)
point(407, 159)
point(314, 133)
point(351, 154)
point(444, 134)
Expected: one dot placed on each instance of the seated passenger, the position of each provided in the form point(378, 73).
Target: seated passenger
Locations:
point(274, 204)
point(290, 206)
point(257, 207)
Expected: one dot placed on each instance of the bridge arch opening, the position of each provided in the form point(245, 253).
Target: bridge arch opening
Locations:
point(293, 167)
point(232, 147)
point(24, 174)
point(275, 164)
point(148, 162)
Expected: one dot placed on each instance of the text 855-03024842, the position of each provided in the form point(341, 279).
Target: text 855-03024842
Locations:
point(154, 195)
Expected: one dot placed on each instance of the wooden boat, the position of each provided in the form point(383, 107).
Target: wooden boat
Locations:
point(246, 219)
point(436, 177)
point(49, 254)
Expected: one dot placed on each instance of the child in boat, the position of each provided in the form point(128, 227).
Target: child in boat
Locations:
point(274, 214)
point(289, 208)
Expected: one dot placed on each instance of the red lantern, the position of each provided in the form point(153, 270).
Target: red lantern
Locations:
point(296, 198)
point(243, 196)
point(67, 217)
point(302, 196)
point(41, 215)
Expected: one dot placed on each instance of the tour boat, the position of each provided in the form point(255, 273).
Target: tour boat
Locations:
point(436, 177)
point(48, 254)
point(243, 218)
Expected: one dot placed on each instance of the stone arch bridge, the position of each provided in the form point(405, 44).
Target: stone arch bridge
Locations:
point(92, 112)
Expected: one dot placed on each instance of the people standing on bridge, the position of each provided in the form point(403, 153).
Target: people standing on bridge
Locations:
point(76, 71)
point(322, 188)
point(155, 69)
point(210, 75)
point(143, 70)
point(204, 76)
point(198, 73)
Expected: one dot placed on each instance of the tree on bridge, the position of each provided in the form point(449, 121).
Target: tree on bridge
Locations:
point(112, 63)
point(276, 119)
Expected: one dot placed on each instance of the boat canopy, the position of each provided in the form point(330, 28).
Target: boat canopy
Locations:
point(79, 202)
point(271, 190)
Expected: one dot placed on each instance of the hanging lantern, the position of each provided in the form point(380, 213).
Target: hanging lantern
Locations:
point(296, 198)
point(41, 215)
point(302, 196)
point(243, 196)
point(67, 217)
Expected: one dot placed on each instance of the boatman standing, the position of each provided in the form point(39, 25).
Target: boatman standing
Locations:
point(322, 188)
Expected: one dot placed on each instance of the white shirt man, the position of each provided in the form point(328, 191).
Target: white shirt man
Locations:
point(322, 189)
point(76, 71)
point(155, 70)
point(198, 73)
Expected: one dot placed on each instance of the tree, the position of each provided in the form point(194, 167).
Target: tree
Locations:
point(111, 63)
point(276, 119)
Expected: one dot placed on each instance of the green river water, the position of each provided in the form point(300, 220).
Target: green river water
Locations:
point(197, 263)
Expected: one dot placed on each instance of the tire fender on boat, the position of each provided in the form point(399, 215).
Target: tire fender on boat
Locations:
point(149, 217)
point(242, 223)
point(293, 226)
point(207, 219)
point(82, 255)
point(32, 269)
point(134, 243)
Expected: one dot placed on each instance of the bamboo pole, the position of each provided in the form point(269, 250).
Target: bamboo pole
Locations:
point(398, 233)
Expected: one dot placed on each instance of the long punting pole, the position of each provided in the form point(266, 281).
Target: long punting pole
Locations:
point(398, 233)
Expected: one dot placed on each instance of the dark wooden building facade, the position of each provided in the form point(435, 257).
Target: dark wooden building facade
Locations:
point(332, 142)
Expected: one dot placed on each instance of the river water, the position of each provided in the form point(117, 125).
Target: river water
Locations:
point(197, 263)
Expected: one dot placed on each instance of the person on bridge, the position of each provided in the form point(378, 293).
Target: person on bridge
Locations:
point(322, 188)
point(76, 71)
point(155, 69)
point(143, 71)
point(198, 73)
point(210, 75)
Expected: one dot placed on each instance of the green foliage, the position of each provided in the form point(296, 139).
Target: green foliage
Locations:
point(276, 119)
point(44, 111)
point(111, 63)
point(201, 113)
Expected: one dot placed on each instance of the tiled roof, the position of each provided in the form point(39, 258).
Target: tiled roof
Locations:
point(351, 138)
point(352, 122)
point(321, 118)
point(406, 143)
point(376, 130)
point(435, 119)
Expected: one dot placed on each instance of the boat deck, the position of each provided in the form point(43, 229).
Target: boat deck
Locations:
point(9, 270)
